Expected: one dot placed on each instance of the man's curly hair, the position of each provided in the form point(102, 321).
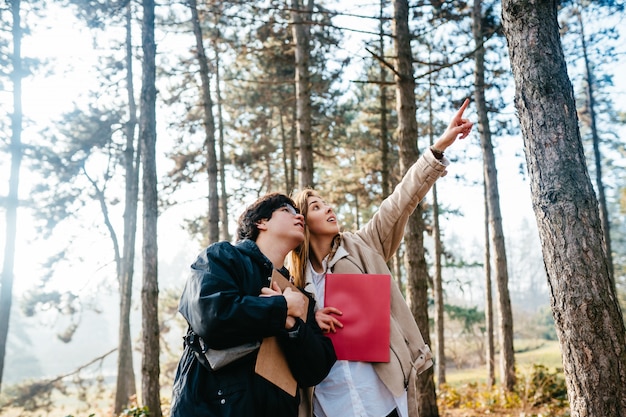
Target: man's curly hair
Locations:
point(261, 209)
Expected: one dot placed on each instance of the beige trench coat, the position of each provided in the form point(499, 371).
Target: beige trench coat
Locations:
point(367, 252)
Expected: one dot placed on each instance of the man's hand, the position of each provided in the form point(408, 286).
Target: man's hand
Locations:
point(296, 301)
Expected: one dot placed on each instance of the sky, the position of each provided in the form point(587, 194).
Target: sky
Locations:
point(46, 96)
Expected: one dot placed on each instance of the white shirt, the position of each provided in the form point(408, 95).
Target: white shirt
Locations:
point(351, 389)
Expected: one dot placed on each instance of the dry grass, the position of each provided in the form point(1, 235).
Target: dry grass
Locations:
point(465, 395)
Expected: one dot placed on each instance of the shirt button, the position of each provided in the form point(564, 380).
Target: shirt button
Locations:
point(223, 401)
point(219, 392)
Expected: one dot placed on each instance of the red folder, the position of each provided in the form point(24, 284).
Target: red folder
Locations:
point(365, 301)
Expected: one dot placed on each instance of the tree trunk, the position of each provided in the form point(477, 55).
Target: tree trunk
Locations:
point(384, 130)
point(490, 352)
point(124, 360)
point(150, 368)
point(507, 354)
point(209, 126)
point(586, 312)
point(285, 142)
point(125, 387)
point(398, 273)
point(385, 165)
point(293, 138)
point(12, 204)
point(440, 356)
point(224, 231)
point(300, 18)
point(417, 271)
point(440, 361)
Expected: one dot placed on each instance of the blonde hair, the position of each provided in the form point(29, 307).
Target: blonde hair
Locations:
point(299, 257)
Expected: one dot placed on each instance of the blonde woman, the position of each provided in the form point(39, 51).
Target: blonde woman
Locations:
point(362, 389)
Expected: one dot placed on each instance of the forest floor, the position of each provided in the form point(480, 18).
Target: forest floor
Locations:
point(540, 389)
point(540, 392)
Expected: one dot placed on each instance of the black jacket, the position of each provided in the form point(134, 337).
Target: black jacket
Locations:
point(221, 303)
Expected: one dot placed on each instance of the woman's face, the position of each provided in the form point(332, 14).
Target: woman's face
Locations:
point(319, 218)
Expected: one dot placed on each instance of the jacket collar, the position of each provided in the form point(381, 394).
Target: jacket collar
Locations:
point(250, 248)
point(329, 265)
point(341, 253)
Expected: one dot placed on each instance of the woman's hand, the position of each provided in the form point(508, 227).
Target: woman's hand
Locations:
point(458, 128)
point(327, 321)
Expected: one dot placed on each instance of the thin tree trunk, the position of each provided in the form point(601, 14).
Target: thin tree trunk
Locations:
point(224, 231)
point(490, 352)
point(286, 151)
point(209, 126)
point(269, 162)
point(440, 355)
point(586, 311)
point(398, 273)
point(125, 386)
point(384, 130)
point(300, 16)
point(293, 138)
point(357, 210)
point(417, 271)
point(440, 362)
point(150, 368)
point(507, 353)
point(126, 375)
point(12, 204)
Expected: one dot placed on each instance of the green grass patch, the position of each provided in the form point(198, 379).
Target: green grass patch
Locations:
point(548, 354)
point(528, 353)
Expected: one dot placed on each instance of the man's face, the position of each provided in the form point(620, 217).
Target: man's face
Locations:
point(287, 223)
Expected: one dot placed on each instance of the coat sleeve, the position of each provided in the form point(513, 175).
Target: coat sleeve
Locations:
point(385, 230)
point(310, 355)
point(221, 300)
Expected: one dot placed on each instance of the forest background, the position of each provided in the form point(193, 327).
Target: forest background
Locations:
point(65, 311)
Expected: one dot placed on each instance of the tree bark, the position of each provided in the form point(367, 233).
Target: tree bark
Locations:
point(587, 315)
point(595, 138)
point(150, 368)
point(300, 16)
point(224, 230)
point(384, 130)
point(287, 151)
point(490, 350)
point(209, 125)
point(507, 353)
point(440, 362)
point(6, 284)
point(125, 386)
point(440, 352)
point(416, 268)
